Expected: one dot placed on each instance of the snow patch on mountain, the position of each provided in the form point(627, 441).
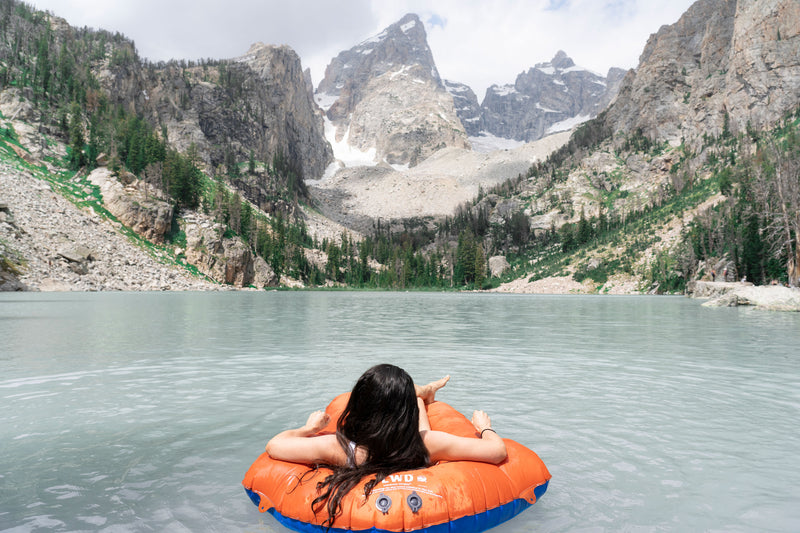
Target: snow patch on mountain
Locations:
point(407, 26)
point(374, 39)
point(455, 87)
point(568, 124)
point(348, 155)
point(486, 143)
point(540, 107)
point(325, 101)
point(503, 90)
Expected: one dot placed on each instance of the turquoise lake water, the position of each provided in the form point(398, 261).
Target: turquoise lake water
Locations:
point(142, 411)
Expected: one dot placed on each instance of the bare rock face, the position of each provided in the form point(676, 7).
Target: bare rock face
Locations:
point(467, 107)
point(264, 276)
point(287, 119)
point(148, 216)
point(734, 58)
point(498, 265)
point(550, 97)
point(14, 107)
point(257, 103)
point(238, 263)
point(226, 260)
point(765, 55)
point(386, 94)
point(405, 118)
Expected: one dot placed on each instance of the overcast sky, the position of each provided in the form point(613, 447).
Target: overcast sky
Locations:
point(477, 42)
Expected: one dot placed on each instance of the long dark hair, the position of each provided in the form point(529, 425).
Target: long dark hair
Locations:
point(381, 416)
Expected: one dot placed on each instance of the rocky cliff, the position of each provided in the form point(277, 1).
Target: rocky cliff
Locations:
point(550, 97)
point(723, 58)
point(386, 94)
point(467, 107)
point(256, 103)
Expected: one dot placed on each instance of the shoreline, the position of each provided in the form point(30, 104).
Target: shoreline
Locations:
point(761, 298)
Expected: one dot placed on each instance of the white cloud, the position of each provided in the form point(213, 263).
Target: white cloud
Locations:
point(473, 41)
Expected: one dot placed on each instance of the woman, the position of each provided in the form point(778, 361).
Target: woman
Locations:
point(383, 429)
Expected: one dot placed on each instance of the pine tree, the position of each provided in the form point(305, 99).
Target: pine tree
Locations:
point(584, 232)
point(480, 265)
point(77, 158)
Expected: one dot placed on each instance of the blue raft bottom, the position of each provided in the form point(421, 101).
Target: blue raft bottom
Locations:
point(467, 524)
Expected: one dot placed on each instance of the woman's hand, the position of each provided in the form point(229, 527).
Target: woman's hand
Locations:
point(316, 422)
point(481, 421)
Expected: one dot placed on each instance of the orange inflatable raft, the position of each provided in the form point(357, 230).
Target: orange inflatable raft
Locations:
point(448, 497)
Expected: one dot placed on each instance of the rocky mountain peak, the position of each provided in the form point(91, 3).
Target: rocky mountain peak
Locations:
point(560, 61)
point(547, 98)
point(403, 43)
point(385, 94)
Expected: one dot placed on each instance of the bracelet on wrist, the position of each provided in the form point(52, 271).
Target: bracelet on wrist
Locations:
point(488, 429)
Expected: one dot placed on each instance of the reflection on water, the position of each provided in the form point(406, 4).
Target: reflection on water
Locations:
point(141, 412)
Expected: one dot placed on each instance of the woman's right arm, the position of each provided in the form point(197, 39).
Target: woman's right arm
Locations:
point(490, 448)
point(303, 445)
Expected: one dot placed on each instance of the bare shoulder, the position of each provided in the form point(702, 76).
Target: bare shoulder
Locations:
point(330, 450)
point(323, 449)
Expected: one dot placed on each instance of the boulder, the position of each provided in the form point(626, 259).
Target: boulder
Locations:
point(722, 294)
point(10, 283)
point(498, 265)
point(726, 300)
point(14, 106)
point(9, 269)
point(238, 263)
point(77, 254)
point(263, 276)
point(127, 178)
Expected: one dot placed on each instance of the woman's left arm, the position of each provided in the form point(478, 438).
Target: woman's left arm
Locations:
point(303, 445)
point(489, 448)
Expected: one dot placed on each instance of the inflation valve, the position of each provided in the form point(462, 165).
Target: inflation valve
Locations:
point(414, 502)
point(383, 503)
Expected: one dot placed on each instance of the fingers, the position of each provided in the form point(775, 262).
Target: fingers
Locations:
point(318, 420)
point(481, 420)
